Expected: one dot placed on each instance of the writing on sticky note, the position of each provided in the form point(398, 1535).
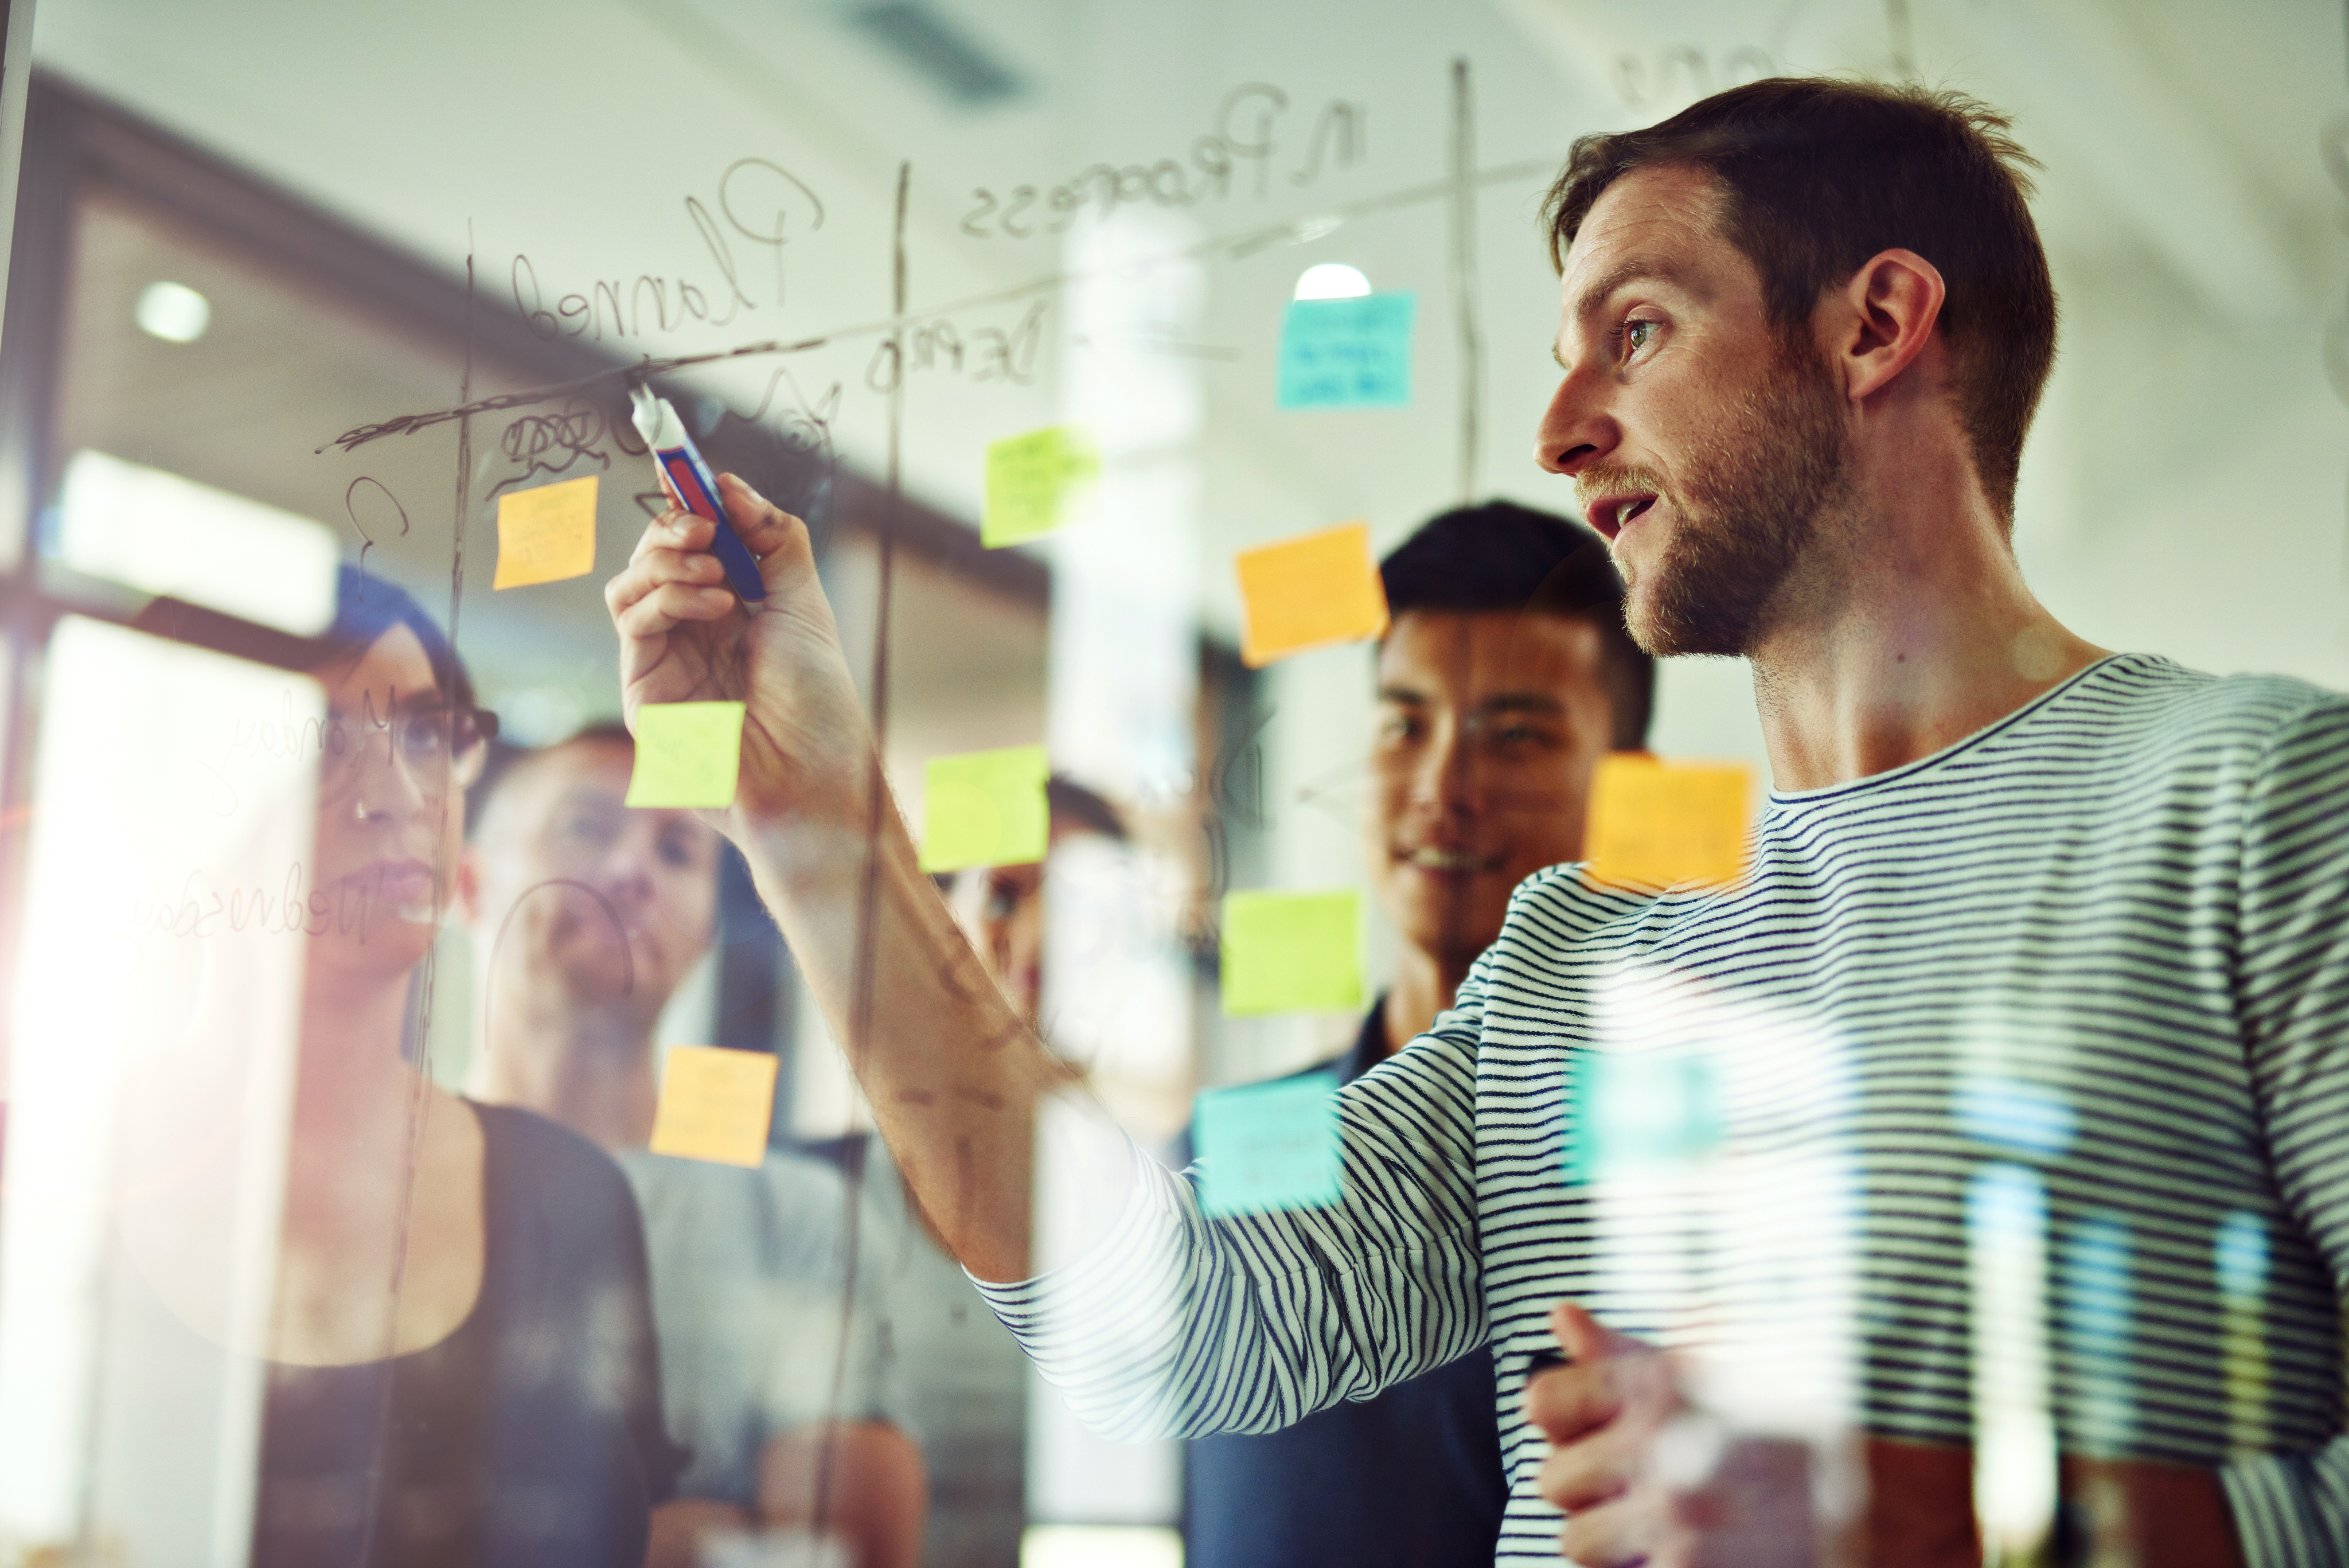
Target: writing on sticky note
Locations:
point(546, 534)
point(688, 754)
point(1031, 482)
point(1346, 353)
point(1263, 1146)
point(1291, 952)
point(1668, 824)
point(715, 1105)
point(1310, 591)
point(1638, 1111)
point(985, 808)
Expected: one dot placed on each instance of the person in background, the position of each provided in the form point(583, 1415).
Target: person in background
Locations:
point(461, 1366)
point(1504, 677)
point(587, 917)
point(971, 1374)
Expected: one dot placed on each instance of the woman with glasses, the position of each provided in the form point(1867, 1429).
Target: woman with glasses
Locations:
point(461, 1363)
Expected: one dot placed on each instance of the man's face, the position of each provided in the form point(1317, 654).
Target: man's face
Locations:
point(1490, 726)
point(1702, 444)
point(621, 902)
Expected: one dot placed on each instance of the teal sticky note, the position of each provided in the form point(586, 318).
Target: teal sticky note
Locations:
point(687, 754)
point(1291, 952)
point(1348, 353)
point(1638, 1111)
point(1263, 1146)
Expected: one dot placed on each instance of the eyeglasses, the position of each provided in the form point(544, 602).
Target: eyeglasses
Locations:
point(440, 748)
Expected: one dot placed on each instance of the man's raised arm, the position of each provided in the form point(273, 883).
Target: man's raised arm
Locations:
point(954, 1073)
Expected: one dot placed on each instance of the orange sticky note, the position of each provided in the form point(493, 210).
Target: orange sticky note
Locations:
point(1668, 824)
point(546, 534)
point(715, 1105)
point(1308, 592)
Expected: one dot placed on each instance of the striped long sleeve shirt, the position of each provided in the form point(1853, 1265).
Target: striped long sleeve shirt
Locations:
point(2019, 1074)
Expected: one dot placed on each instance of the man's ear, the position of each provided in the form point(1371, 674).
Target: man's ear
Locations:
point(1883, 317)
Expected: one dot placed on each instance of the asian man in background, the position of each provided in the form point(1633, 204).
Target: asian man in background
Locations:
point(1505, 677)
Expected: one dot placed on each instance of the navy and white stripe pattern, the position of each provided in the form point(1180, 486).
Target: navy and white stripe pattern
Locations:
point(2096, 954)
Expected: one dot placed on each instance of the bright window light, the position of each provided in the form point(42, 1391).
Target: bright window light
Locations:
point(174, 312)
point(165, 535)
point(1331, 280)
point(1100, 1546)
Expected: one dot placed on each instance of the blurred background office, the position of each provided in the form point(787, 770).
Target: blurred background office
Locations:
point(253, 242)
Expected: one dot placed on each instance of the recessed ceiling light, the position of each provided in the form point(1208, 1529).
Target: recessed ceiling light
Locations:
point(174, 312)
point(1331, 280)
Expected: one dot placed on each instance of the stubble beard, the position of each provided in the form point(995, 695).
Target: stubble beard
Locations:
point(1749, 512)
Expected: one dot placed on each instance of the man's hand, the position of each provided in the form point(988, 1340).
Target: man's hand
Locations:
point(1602, 1412)
point(685, 638)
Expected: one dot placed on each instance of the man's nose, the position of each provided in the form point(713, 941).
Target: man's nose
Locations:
point(1445, 780)
point(1577, 429)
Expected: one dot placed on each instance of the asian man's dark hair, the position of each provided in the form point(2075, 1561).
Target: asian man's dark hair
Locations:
point(1501, 556)
point(1819, 176)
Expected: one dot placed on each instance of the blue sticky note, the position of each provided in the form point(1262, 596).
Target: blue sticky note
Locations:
point(1263, 1146)
point(1348, 353)
point(1638, 1111)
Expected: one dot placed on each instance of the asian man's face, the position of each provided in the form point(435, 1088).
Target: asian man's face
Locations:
point(1490, 727)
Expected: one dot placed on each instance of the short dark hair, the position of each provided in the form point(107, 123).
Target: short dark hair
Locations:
point(1501, 556)
point(507, 760)
point(1821, 175)
point(1073, 807)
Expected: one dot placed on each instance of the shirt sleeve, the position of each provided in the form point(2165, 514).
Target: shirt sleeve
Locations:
point(2292, 990)
point(1176, 1324)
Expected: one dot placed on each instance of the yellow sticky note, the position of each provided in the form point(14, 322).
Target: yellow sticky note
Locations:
point(1668, 824)
point(1030, 480)
point(1308, 591)
point(715, 1105)
point(688, 754)
point(985, 808)
point(1291, 952)
point(546, 534)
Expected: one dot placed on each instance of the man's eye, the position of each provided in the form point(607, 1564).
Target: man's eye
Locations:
point(1635, 336)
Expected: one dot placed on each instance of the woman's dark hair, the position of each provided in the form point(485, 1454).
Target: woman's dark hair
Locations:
point(1820, 175)
point(1501, 556)
point(365, 608)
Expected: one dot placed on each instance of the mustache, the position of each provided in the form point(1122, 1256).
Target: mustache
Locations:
point(1614, 480)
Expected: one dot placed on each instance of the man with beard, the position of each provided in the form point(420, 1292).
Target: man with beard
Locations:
point(586, 916)
point(2041, 953)
point(1503, 679)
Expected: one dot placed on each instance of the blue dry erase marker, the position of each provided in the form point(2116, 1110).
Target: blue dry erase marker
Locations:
point(690, 483)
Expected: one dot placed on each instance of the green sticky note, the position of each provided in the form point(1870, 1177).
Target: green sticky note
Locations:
point(1268, 1146)
point(687, 754)
point(1029, 481)
point(1346, 353)
point(1291, 952)
point(1630, 1111)
point(985, 808)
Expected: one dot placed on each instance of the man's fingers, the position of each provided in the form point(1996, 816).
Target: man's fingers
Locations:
point(1635, 1530)
point(1579, 1475)
point(1567, 1402)
point(1583, 1337)
point(668, 605)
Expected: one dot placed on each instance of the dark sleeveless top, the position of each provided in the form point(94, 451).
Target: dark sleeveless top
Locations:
point(530, 1437)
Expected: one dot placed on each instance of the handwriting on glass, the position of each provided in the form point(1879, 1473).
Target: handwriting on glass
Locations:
point(1243, 147)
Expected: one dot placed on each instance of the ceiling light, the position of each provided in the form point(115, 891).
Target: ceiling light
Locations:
point(174, 312)
point(1332, 280)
